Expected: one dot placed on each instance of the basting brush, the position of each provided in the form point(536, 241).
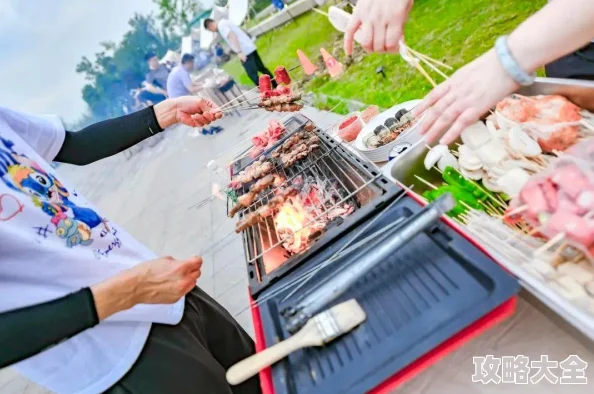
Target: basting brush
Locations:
point(319, 330)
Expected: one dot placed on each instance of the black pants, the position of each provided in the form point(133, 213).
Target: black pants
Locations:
point(193, 356)
point(576, 65)
point(253, 65)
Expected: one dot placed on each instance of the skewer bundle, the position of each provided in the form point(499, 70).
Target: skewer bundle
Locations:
point(280, 99)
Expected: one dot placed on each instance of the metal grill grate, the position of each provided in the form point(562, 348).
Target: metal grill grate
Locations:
point(329, 171)
point(338, 173)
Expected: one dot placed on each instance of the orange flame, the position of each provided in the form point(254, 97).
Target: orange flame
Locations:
point(289, 222)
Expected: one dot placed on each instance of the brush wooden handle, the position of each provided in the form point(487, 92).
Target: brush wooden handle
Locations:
point(250, 366)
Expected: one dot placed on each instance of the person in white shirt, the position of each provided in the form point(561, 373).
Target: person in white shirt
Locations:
point(84, 307)
point(241, 44)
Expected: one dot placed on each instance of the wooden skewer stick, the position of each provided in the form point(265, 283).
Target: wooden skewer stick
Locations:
point(557, 260)
point(236, 98)
point(426, 182)
point(557, 238)
point(516, 211)
point(420, 68)
point(321, 12)
point(431, 66)
point(587, 125)
point(430, 59)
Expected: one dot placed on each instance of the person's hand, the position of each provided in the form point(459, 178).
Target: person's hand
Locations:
point(164, 280)
point(160, 281)
point(461, 100)
point(381, 23)
point(242, 57)
point(196, 112)
point(189, 110)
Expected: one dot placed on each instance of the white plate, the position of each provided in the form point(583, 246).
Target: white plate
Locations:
point(379, 120)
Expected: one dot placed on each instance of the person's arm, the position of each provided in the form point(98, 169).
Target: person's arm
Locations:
point(236, 47)
point(378, 24)
point(20, 334)
point(189, 84)
point(558, 29)
point(107, 138)
point(28, 331)
point(154, 89)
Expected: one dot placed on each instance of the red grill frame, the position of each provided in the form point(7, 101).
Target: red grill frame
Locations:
point(497, 315)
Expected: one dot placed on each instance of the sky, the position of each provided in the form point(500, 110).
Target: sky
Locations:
point(42, 41)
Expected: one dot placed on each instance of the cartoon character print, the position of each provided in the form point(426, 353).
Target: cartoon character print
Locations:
point(19, 173)
point(74, 232)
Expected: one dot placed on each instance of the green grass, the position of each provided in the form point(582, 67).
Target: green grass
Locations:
point(452, 31)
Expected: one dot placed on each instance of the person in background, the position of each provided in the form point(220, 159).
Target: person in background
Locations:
point(84, 307)
point(145, 95)
point(179, 83)
point(156, 78)
point(558, 29)
point(241, 44)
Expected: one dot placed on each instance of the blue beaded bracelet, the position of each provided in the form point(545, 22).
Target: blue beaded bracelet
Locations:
point(510, 65)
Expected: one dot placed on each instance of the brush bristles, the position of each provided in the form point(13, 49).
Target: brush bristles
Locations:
point(339, 320)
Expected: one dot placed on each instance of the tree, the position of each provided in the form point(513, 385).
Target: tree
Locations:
point(118, 68)
point(176, 15)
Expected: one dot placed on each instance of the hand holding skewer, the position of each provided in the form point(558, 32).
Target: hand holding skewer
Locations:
point(189, 110)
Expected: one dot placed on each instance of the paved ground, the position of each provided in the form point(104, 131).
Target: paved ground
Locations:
point(151, 195)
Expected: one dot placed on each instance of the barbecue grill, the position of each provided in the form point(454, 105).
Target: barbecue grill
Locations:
point(336, 172)
point(427, 291)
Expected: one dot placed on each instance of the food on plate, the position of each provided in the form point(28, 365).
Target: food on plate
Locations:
point(350, 128)
point(394, 133)
point(390, 130)
point(400, 113)
point(391, 123)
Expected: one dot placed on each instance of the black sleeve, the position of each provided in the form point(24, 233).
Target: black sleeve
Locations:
point(104, 139)
point(27, 331)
